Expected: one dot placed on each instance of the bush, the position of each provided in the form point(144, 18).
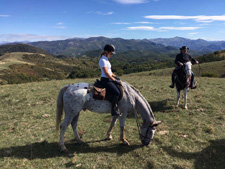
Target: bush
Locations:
point(208, 74)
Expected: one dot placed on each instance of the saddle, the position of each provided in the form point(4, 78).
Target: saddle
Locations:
point(100, 93)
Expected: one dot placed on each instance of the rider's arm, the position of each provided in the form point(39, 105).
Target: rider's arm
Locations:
point(107, 73)
point(193, 60)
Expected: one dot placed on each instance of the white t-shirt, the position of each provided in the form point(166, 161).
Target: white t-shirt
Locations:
point(104, 62)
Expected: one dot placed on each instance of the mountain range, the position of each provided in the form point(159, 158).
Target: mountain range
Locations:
point(78, 47)
point(200, 45)
point(93, 46)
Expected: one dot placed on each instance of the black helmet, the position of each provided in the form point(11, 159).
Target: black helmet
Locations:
point(184, 48)
point(109, 48)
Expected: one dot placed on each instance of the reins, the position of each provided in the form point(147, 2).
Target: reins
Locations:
point(138, 126)
point(200, 70)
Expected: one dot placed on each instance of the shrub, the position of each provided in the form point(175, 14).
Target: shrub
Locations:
point(209, 74)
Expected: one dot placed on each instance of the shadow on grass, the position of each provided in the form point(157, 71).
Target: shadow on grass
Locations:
point(212, 156)
point(43, 150)
point(161, 106)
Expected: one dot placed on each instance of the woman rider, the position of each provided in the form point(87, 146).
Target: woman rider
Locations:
point(108, 79)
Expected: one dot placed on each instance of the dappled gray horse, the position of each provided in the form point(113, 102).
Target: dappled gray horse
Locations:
point(75, 98)
point(183, 81)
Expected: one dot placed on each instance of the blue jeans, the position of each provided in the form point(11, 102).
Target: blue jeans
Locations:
point(110, 87)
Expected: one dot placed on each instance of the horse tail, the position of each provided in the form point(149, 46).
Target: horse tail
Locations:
point(59, 110)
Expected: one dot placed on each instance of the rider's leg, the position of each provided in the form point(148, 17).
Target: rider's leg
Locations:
point(173, 80)
point(111, 87)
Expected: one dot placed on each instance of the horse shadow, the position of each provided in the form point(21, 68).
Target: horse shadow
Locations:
point(157, 106)
point(212, 156)
point(162, 106)
point(44, 150)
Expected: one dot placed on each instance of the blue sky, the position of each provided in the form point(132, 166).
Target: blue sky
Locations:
point(36, 20)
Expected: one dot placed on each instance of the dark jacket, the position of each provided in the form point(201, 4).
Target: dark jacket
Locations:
point(183, 58)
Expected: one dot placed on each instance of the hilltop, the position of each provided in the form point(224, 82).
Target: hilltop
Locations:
point(21, 48)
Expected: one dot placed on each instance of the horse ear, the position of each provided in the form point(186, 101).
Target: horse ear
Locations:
point(156, 123)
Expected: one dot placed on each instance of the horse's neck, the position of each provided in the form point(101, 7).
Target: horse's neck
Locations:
point(142, 106)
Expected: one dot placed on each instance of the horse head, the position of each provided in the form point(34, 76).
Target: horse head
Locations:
point(188, 68)
point(147, 132)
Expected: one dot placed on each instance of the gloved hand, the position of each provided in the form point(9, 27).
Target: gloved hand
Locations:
point(117, 78)
point(117, 81)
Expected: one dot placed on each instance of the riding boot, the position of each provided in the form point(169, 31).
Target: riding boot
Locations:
point(114, 109)
point(173, 78)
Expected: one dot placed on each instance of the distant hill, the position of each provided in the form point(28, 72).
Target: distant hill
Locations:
point(93, 46)
point(198, 45)
point(20, 48)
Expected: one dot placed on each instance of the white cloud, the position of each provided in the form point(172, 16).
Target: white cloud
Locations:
point(29, 37)
point(199, 18)
point(59, 27)
point(120, 23)
point(179, 28)
point(102, 13)
point(146, 28)
point(193, 33)
point(5, 16)
point(131, 1)
point(150, 28)
point(59, 23)
point(143, 22)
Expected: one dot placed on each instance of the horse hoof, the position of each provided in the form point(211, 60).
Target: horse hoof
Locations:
point(109, 137)
point(64, 151)
point(126, 143)
point(80, 141)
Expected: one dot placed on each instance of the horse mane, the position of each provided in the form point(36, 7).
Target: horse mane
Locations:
point(143, 98)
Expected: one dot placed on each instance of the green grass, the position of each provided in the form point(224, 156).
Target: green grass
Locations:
point(192, 138)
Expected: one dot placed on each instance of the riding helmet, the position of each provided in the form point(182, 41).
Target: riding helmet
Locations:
point(110, 48)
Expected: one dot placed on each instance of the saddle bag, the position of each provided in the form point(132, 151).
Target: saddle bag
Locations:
point(99, 93)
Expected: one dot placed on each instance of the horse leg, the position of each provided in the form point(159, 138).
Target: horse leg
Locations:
point(63, 128)
point(185, 97)
point(74, 126)
point(178, 98)
point(122, 136)
point(109, 132)
point(122, 129)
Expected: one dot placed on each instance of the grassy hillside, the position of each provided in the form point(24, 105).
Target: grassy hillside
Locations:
point(30, 64)
point(192, 138)
point(211, 69)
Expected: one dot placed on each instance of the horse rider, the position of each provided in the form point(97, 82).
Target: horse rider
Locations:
point(182, 58)
point(109, 79)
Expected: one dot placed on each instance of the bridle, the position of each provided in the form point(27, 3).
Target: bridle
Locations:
point(139, 128)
